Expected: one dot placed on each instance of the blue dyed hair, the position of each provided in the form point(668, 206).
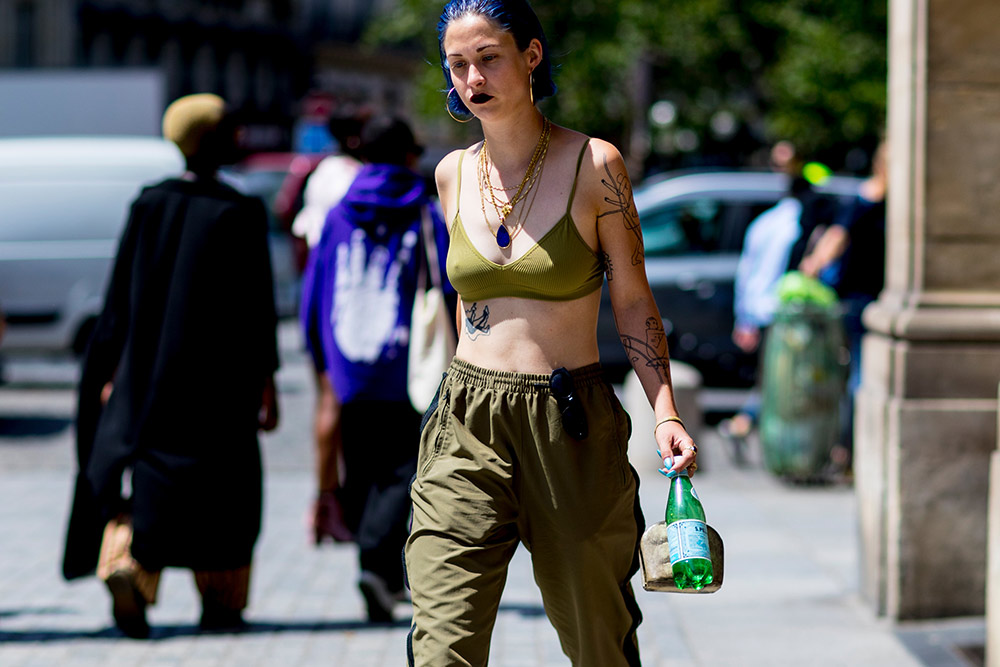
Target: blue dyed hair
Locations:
point(513, 16)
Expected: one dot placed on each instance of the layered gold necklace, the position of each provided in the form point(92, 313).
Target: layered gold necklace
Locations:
point(502, 207)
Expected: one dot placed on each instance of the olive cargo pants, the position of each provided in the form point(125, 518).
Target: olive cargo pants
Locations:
point(496, 468)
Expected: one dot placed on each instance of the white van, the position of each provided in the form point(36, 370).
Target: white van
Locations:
point(63, 205)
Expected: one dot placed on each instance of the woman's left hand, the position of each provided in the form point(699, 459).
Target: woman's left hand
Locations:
point(676, 449)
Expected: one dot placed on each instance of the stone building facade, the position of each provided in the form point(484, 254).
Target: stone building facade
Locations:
point(264, 56)
point(926, 425)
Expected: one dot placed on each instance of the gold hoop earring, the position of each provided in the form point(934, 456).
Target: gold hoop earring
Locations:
point(447, 107)
point(531, 87)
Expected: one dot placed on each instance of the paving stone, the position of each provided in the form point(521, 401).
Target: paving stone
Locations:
point(790, 596)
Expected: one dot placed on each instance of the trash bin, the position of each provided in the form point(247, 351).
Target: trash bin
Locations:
point(804, 379)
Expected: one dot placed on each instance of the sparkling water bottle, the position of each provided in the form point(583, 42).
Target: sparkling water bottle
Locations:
point(687, 535)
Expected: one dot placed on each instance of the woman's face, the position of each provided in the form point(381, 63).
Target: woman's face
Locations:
point(488, 71)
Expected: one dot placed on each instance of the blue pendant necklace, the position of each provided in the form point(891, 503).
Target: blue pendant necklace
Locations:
point(484, 167)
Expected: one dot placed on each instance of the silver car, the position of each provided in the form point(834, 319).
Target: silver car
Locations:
point(693, 226)
point(63, 204)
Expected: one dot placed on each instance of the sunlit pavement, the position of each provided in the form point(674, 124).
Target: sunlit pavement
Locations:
point(790, 595)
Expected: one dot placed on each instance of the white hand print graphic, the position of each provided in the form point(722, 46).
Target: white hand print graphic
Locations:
point(366, 296)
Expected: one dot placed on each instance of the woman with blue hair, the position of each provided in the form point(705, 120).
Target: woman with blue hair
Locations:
point(526, 441)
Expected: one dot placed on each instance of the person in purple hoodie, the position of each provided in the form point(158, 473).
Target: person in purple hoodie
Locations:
point(358, 293)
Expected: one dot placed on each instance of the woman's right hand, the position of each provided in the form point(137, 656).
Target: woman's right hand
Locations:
point(676, 448)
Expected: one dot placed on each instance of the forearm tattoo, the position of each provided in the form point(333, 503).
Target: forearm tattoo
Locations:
point(606, 263)
point(651, 351)
point(477, 324)
point(620, 198)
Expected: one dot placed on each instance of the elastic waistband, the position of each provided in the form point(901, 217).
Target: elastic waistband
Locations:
point(487, 378)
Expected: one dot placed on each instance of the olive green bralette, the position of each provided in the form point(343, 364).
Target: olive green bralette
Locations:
point(559, 267)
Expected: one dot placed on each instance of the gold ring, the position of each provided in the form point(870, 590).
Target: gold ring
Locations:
point(693, 467)
point(693, 448)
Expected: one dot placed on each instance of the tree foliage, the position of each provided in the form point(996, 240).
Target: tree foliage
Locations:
point(731, 76)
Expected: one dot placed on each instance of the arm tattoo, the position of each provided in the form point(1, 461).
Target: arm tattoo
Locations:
point(477, 325)
point(606, 263)
point(621, 199)
point(650, 351)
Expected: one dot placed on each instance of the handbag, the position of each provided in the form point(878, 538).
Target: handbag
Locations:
point(432, 329)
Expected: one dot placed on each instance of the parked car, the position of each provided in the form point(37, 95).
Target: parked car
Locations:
point(63, 204)
point(693, 226)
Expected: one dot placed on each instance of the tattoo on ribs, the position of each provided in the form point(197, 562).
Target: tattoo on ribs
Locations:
point(477, 325)
point(620, 198)
point(650, 351)
point(606, 263)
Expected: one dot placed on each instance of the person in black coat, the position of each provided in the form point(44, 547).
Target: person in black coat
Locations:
point(176, 382)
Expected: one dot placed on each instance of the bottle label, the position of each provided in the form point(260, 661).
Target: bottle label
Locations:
point(687, 538)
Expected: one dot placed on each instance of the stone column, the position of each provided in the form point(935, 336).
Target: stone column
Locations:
point(926, 420)
point(993, 565)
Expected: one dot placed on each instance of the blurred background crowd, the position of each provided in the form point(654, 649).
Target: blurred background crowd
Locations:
point(728, 114)
point(693, 86)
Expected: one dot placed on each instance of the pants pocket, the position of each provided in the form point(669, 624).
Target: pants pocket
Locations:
point(434, 403)
point(623, 431)
point(432, 428)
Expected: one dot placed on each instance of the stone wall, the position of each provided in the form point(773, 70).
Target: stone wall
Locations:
point(926, 422)
point(993, 564)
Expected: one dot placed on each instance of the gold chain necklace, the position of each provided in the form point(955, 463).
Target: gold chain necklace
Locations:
point(504, 208)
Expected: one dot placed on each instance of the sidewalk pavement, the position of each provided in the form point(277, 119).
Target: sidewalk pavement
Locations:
point(790, 595)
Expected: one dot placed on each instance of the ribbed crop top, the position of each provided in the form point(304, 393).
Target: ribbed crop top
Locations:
point(559, 267)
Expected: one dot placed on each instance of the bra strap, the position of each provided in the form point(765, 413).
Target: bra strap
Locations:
point(458, 184)
point(576, 176)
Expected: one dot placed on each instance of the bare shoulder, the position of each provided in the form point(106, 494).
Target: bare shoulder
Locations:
point(446, 179)
point(446, 171)
point(604, 150)
point(597, 154)
point(603, 174)
point(570, 143)
point(605, 160)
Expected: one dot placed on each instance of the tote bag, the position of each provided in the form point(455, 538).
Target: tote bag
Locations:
point(432, 328)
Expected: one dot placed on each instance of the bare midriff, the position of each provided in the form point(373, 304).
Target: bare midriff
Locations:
point(532, 336)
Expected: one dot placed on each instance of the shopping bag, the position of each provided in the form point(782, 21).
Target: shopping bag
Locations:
point(432, 328)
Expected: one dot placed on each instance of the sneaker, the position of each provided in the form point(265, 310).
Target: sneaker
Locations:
point(379, 599)
point(128, 605)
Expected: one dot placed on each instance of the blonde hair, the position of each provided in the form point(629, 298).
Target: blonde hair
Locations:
point(188, 120)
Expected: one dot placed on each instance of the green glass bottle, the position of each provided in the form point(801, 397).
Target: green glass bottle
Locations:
point(687, 535)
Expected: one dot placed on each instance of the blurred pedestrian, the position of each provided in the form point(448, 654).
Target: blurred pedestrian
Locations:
point(773, 243)
point(527, 442)
point(329, 181)
point(357, 300)
point(850, 256)
point(176, 382)
point(324, 189)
